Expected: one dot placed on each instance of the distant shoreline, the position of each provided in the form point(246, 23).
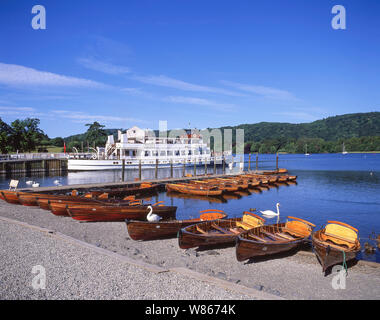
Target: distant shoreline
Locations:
point(348, 152)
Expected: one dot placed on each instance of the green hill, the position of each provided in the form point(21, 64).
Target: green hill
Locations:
point(358, 131)
point(330, 129)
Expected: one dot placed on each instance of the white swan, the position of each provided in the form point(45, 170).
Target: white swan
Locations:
point(29, 182)
point(57, 182)
point(271, 213)
point(152, 216)
point(35, 185)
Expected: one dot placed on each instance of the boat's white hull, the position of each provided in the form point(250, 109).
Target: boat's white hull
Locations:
point(90, 165)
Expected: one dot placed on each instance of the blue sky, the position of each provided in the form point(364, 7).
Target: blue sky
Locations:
point(210, 63)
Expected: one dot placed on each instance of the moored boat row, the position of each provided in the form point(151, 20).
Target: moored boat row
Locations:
point(240, 185)
point(95, 205)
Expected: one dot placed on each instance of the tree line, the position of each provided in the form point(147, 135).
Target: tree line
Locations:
point(26, 136)
point(313, 145)
point(358, 132)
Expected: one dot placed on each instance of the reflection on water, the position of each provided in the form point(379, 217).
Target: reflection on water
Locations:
point(329, 187)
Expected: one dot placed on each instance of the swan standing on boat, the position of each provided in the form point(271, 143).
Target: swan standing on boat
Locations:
point(271, 213)
point(152, 216)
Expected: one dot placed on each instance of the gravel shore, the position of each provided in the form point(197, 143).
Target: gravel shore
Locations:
point(293, 276)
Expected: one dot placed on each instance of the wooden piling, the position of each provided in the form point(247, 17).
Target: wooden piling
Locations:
point(277, 161)
point(249, 162)
point(156, 169)
point(257, 161)
point(140, 176)
point(122, 170)
point(171, 168)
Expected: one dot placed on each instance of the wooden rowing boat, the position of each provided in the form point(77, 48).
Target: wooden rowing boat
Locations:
point(271, 239)
point(143, 188)
point(10, 196)
point(194, 189)
point(240, 183)
point(210, 199)
point(264, 179)
point(118, 213)
point(145, 230)
point(217, 232)
point(59, 207)
point(336, 243)
point(225, 186)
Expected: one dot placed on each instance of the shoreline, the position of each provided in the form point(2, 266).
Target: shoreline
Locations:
point(296, 275)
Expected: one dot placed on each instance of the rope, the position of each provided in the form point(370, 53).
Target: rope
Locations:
point(344, 262)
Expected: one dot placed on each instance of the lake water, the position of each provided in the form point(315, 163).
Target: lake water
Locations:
point(329, 187)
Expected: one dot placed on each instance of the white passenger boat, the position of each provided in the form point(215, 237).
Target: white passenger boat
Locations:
point(140, 146)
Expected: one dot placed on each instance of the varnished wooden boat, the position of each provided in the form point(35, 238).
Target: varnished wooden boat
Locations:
point(269, 172)
point(260, 177)
point(59, 207)
point(240, 183)
point(146, 230)
point(334, 243)
point(210, 199)
point(226, 187)
point(10, 196)
point(218, 232)
point(271, 239)
point(252, 182)
point(282, 170)
point(282, 178)
point(292, 178)
point(118, 213)
point(194, 189)
point(143, 188)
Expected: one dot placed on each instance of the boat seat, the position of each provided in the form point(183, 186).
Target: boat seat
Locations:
point(236, 231)
point(215, 226)
point(256, 237)
point(285, 236)
point(272, 236)
point(249, 221)
point(340, 235)
point(297, 228)
point(199, 229)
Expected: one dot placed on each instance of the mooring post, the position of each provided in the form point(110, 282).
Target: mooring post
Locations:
point(277, 161)
point(156, 169)
point(224, 165)
point(257, 161)
point(205, 166)
point(140, 170)
point(249, 162)
point(171, 168)
point(184, 167)
point(195, 167)
point(214, 165)
point(122, 169)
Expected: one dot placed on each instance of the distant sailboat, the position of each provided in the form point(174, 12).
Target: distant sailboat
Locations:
point(306, 154)
point(344, 149)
